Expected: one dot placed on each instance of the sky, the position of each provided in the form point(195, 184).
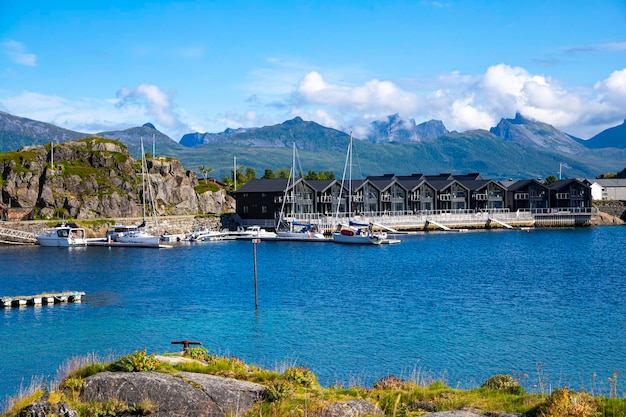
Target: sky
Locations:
point(205, 66)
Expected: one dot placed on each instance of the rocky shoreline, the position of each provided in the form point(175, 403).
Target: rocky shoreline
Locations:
point(195, 383)
point(192, 394)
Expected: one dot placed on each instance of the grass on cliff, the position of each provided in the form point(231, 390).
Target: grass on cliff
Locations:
point(295, 391)
point(205, 185)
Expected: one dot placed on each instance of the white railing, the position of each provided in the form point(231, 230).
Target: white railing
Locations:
point(409, 219)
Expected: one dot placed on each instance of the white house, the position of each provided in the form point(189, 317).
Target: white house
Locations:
point(607, 189)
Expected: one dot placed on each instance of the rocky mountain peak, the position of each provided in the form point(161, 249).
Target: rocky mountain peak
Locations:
point(397, 129)
point(530, 133)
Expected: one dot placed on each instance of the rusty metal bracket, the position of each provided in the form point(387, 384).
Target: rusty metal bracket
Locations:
point(186, 343)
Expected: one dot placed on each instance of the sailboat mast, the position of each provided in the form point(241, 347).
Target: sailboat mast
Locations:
point(350, 178)
point(143, 181)
point(293, 184)
point(343, 177)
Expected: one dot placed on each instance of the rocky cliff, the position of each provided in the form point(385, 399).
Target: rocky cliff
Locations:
point(98, 178)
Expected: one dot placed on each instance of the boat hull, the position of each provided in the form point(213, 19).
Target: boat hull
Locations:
point(139, 239)
point(358, 239)
point(301, 236)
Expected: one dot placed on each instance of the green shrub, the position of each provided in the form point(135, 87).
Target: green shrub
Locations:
point(90, 369)
point(196, 353)
point(566, 403)
point(390, 381)
point(73, 387)
point(144, 408)
point(135, 362)
point(300, 376)
point(278, 390)
point(229, 367)
point(503, 382)
point(110, 408)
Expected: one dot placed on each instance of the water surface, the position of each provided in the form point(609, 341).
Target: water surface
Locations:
point(545, 305)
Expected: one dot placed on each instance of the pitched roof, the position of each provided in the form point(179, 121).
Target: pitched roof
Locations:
point(608, 182)
point(563, 183)
point(320, 185)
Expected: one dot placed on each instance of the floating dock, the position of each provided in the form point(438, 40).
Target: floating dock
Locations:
point(41, 299)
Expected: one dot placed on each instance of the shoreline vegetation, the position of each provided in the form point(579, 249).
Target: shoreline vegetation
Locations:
point(292, 390)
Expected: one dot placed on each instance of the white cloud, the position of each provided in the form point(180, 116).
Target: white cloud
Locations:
point(154, 102)
point(461, 101)
point(16, 51)
point(374, 98)
point(465, 102)
point(145, 103)
point(615, 46)
point(613, 89)
point(468, 116)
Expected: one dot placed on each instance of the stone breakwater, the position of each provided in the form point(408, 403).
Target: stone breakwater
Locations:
point(616, 209)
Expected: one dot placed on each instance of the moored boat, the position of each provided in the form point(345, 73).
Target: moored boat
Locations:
point(253, 232)
point(290, 229)
point(355, 233)
point(133, 235)
point(137, 235)
point(301, 232)
point(206, 235)
point(359, 235)
point(64, 235)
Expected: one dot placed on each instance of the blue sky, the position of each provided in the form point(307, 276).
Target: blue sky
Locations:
point(206, 66)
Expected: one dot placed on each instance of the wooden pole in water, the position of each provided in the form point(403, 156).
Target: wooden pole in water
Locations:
point(256, 291)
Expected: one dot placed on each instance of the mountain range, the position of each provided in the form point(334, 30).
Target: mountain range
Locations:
point(514, 148)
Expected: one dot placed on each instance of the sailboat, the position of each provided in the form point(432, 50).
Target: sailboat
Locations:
point(353, 232)
point(137, 235)
point(293, 230)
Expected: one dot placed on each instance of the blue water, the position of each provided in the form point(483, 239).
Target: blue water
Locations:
point(458, 307)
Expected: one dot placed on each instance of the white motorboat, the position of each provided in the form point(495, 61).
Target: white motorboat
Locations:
point(206, 235)
point(254, 232)
point(132, 235)
point(63, 235)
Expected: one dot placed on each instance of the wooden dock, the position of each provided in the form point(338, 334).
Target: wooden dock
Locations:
point(41, 299)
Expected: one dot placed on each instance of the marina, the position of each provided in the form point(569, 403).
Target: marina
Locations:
point(41, 299)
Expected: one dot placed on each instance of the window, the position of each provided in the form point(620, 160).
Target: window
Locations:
point(263, 209)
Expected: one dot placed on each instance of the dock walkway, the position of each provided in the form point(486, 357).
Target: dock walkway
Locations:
point(16, 237)
point(41, 299)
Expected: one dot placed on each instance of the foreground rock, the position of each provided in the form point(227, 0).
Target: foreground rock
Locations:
point(181, 394)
